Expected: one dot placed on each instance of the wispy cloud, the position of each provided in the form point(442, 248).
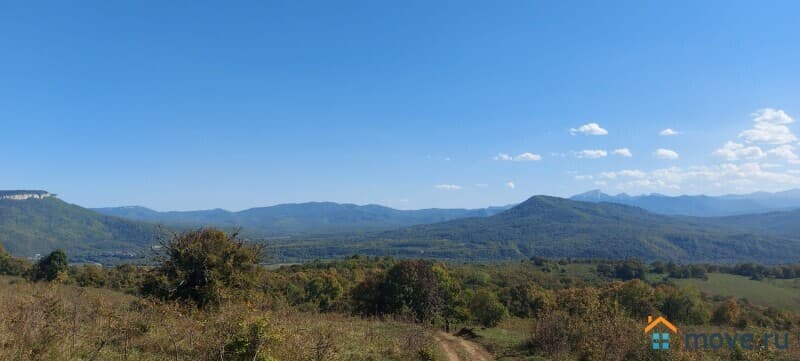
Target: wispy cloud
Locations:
point(510, 185)
point(668, 132)
point(589, 129)
point(626, 173)
point(522, 157)
point(448, 187)
point(591, 153)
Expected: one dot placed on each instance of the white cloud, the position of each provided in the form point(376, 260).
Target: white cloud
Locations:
point(744, 177)
point(527, 157)
point(668, 132)
point(771, 127)
point(592, 153)
point(448, 187)
point(627, 173)
point(785, 151)
point(583, 177)
point(522, 157)
point(511, 185)
point(662, 153)
point(774, 116)
point(736, 151)
point(481, 185)
point(589, 129)
point(624, 152)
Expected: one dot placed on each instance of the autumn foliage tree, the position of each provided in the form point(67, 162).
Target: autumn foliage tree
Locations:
point(205, 267)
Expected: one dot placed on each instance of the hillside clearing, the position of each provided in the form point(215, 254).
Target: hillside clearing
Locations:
point(776, 293)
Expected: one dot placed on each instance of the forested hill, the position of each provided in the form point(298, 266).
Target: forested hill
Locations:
point(35, 226)
point(556, 227)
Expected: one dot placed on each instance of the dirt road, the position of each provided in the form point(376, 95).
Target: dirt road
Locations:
point(458, 349)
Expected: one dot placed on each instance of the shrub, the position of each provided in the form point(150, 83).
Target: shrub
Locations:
point(11, 266)
point(486, 309)
point(51, 268)
point(204, 267)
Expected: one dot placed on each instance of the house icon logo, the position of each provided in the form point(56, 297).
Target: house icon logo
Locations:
point(658, 327)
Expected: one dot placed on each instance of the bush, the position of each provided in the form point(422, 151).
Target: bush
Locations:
point(11, 266)
point(51, 268)
point(486, 309)
point(205, 267)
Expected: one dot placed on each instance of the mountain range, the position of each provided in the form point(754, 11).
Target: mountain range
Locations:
point(540, 226)
point(300, 218)
point(557, 227)
point(701, 205)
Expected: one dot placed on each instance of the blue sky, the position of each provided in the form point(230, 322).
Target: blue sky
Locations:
point(409, 104)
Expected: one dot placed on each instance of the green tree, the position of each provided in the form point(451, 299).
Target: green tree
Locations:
point(412, 287)
point(630, 269)
point(205, 267)
point(637, 298)
point(683, 306)
point(487, 309)
point(324, 291)
point(52, 267)
point(415, 288)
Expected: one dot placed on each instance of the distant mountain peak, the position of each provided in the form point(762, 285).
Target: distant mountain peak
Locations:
point(594, 195)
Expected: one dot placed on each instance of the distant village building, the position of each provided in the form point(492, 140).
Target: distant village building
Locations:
point(23, 195)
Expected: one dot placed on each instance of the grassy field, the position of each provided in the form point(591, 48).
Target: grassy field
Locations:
point(782, 294)
point(45, 321)
point(506, 342)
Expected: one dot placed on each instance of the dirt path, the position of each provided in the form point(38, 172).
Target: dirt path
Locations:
point(459, 349)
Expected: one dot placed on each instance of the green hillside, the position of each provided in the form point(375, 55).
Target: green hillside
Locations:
point(556, 227)
point(32, 226)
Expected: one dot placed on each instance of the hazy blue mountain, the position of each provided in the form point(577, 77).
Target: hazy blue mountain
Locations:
point(784, 223)
point(31, 226)
point(774, 201)
point(701, 205)
point(301, 218)
point(556, 227)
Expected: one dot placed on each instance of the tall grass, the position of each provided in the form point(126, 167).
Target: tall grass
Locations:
point(48, 321)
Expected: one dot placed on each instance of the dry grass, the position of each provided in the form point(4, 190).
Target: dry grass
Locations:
point(57, 322)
